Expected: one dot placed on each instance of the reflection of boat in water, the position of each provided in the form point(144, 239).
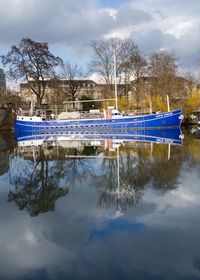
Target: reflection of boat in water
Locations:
point(169, 136)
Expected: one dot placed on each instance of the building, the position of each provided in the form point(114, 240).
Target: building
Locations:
point(2, 81)
point(62, 86)
point(81, 88)
point(63, 91)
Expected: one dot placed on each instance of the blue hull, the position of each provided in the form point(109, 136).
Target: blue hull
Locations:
point(169, 136)
point(160, 120)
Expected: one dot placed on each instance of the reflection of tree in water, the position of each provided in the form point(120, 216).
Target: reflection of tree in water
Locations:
point(6, 149)
point(165, 172)
point(123, 181)
point(191, 149)
point(77, 166)
point(136, 171)
point(121, 198)
point(37, 190)
point(38, 187)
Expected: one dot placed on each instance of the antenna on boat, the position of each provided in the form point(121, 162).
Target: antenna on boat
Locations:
point(115, 78)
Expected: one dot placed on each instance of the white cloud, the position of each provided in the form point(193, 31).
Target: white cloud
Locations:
point(71, 25)
point(181, 28)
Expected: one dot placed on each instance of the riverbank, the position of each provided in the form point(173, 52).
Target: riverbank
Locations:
point(6, 119)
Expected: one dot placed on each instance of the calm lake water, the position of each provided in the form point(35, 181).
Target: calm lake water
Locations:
point(100, 209)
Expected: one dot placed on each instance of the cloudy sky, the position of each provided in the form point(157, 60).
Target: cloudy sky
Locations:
point(69, 26)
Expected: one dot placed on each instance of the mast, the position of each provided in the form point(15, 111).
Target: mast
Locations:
point(168, 108)
point(115, 80)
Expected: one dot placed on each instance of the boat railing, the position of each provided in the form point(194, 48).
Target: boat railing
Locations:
point(53, 113)
point(136, 112)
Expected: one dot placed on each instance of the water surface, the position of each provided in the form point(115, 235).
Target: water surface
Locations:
point(100, 209)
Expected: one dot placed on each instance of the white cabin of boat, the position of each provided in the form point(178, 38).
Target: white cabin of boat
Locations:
point(41, 115)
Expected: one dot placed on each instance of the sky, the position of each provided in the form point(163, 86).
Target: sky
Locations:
point(69, 26)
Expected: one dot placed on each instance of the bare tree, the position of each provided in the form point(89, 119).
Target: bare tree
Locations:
point(102, 61)
point(191, 82)
point(138, 69)
point(33, 62)
point(163, 72)
point(74, 77)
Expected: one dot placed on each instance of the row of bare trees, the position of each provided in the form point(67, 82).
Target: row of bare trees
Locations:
point(32, 62)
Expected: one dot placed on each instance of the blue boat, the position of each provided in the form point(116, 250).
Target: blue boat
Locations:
point(112, 120)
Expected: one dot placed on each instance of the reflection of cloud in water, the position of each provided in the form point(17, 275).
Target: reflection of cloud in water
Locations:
point(77, 241)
